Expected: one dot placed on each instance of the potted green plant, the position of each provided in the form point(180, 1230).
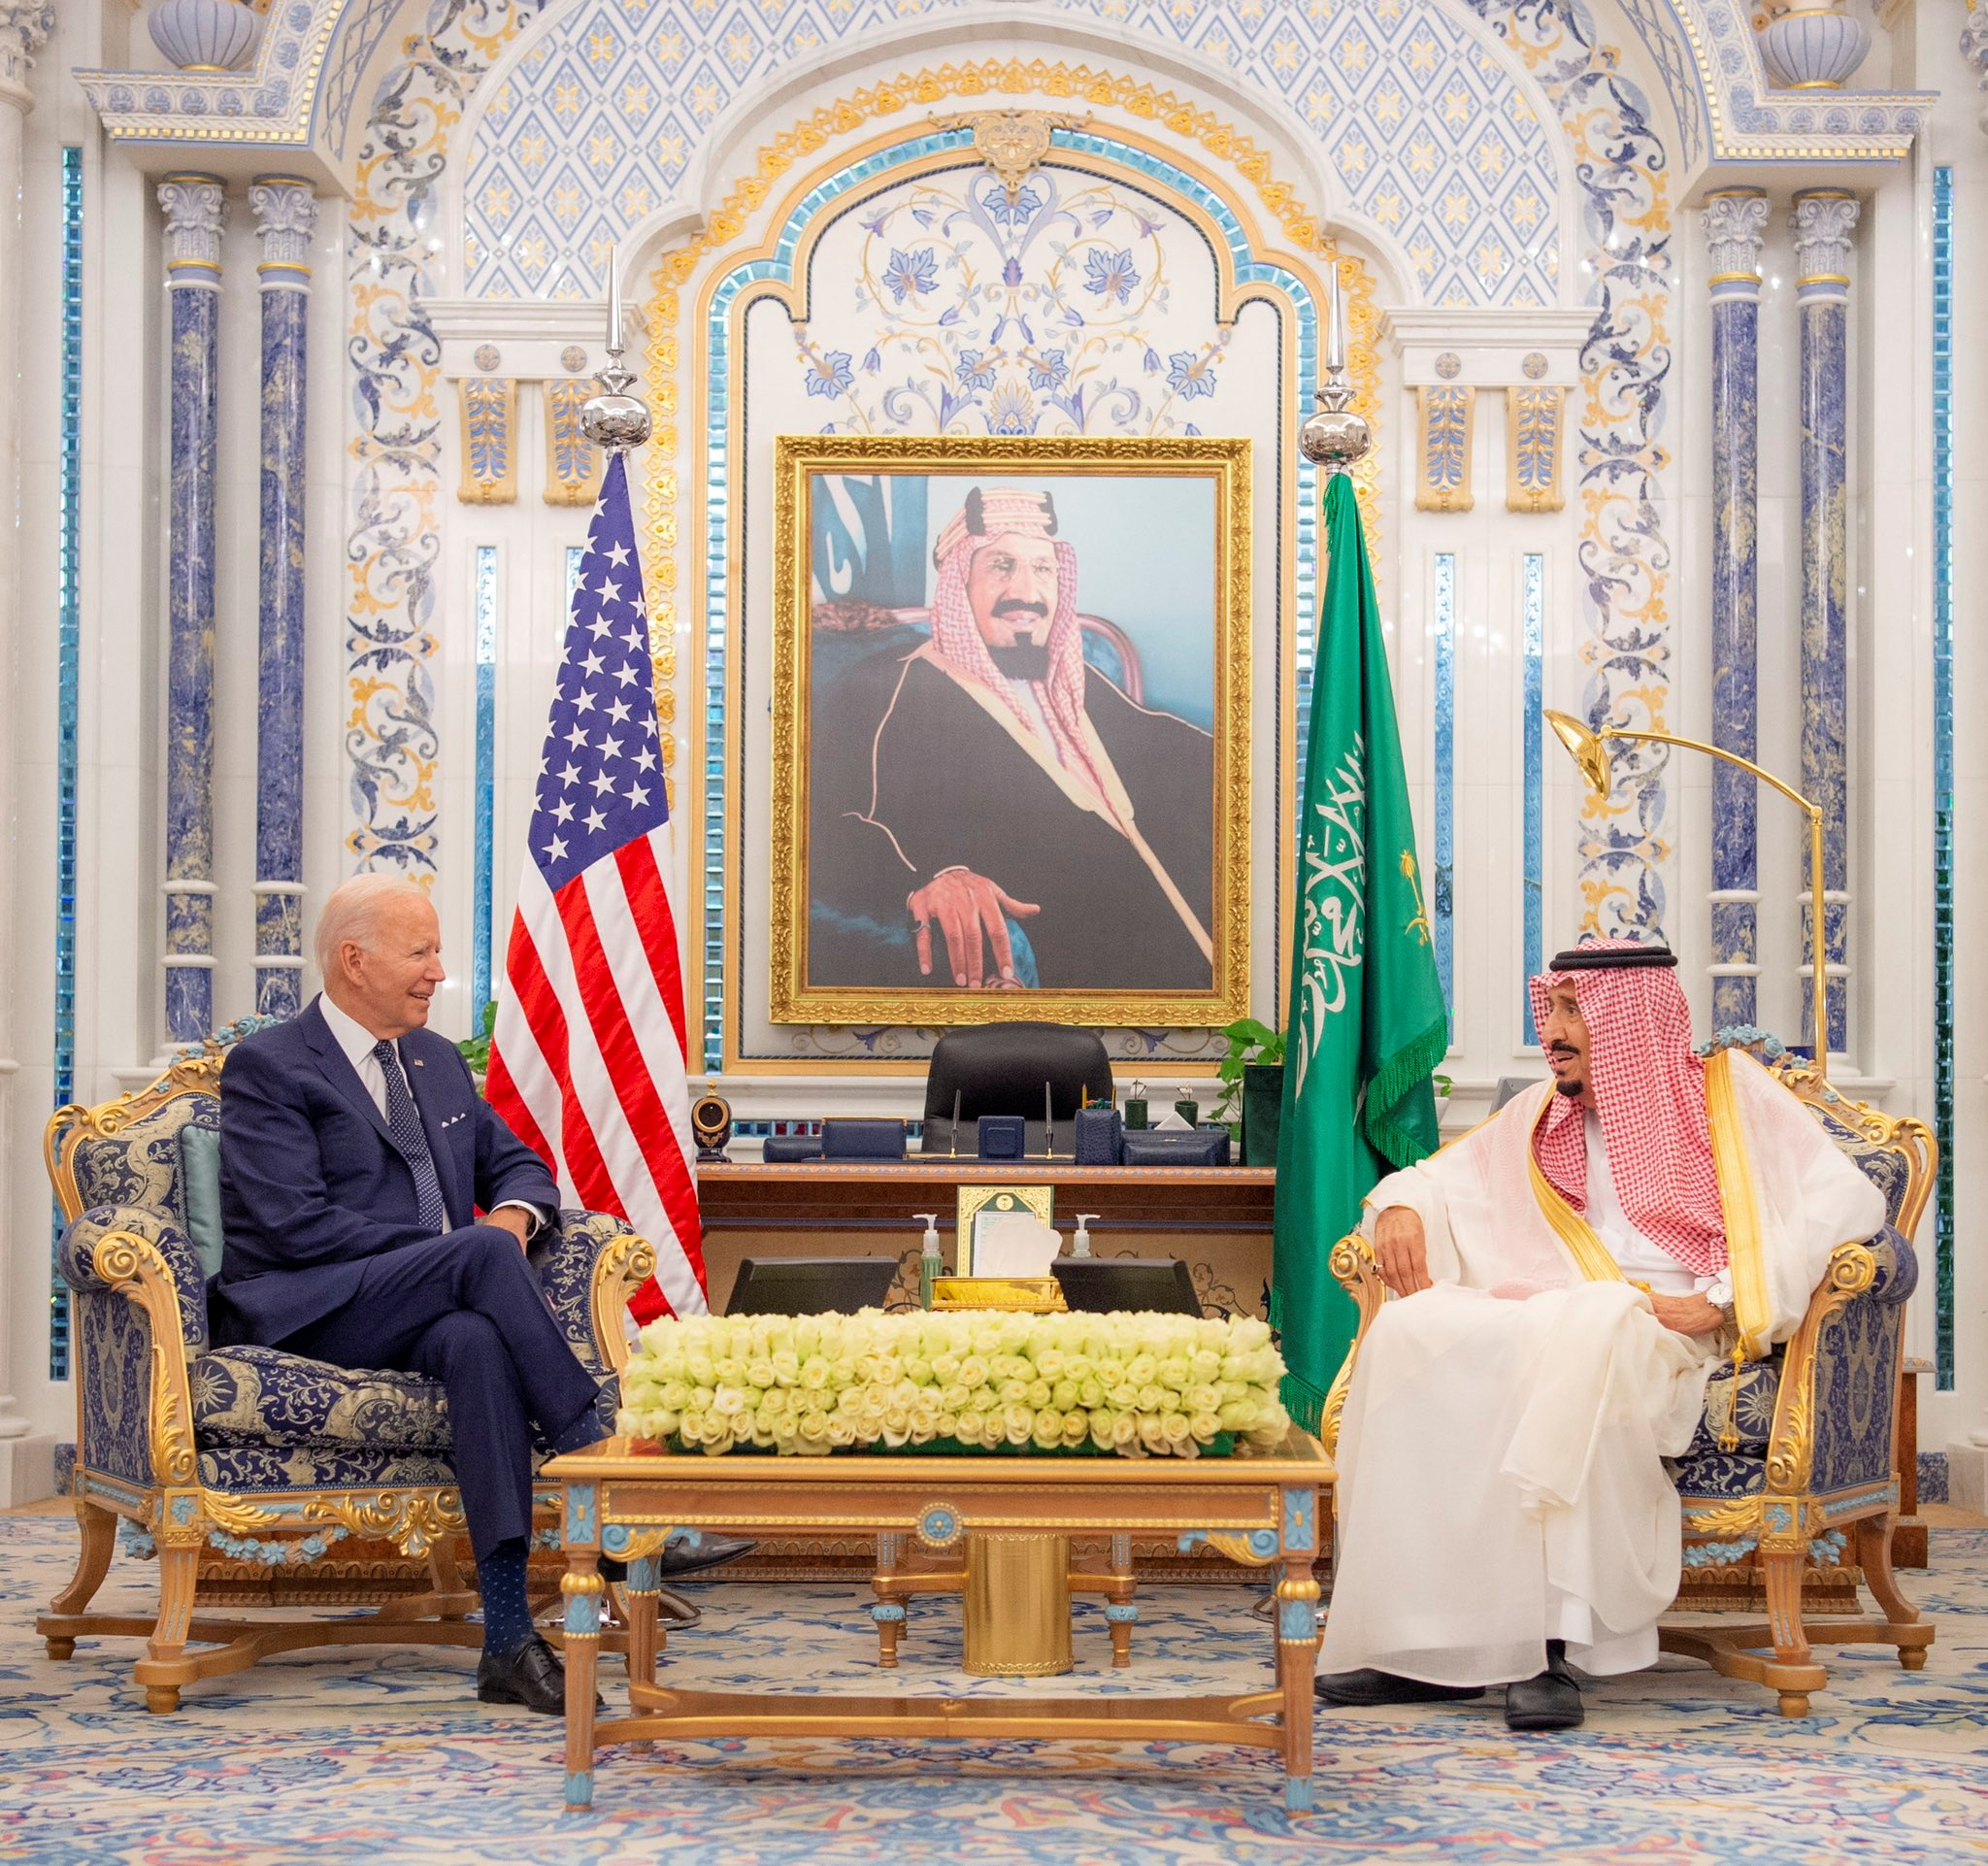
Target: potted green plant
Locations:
point(475, 1050)
point(1253, 1077)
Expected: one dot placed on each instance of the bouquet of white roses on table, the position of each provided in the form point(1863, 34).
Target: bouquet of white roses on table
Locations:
point(805, 1386)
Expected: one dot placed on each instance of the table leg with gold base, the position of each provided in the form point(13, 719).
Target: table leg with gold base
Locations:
point(643, 1590)
point(1018, 1604)
point(581, 1586)
point(1297, 1600)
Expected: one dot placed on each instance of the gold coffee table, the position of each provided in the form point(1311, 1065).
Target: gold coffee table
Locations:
point(1261, 1510)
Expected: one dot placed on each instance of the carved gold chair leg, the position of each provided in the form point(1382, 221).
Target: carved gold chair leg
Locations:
point(165, 1651)
point(1873, 1554)
point(1905, 1625)
point(98, 1531)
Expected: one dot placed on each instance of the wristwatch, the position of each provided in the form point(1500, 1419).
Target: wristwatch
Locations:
point(1719, 1293)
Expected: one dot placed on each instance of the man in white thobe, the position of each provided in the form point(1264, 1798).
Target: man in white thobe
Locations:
point(1569, 1271)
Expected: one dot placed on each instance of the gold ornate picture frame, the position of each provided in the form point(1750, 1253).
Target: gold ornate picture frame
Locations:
point(914, 775)
point(1039, 1200)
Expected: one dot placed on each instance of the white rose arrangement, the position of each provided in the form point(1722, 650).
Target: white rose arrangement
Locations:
point(1142, 1385)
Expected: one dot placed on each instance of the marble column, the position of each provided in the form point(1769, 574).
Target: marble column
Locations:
point(1733, 223)
point(285, 217)
point(24, 31)
point(1824, 220)
point(193, 207)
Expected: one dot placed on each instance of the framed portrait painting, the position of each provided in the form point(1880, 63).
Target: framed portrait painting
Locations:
point(1011, 722)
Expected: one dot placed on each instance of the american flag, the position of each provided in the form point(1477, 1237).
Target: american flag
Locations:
point(586, 1058)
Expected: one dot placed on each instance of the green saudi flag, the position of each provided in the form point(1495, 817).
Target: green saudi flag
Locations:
point(1367, 1025)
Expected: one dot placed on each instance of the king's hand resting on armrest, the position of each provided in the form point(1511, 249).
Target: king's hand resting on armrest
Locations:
point(1401, 1250)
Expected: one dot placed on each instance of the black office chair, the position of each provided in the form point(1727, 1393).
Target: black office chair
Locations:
point(999, 1069)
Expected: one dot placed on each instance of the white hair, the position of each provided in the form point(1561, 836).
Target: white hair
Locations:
point(353, 912)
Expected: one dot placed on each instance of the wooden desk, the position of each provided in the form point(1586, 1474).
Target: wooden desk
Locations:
point(865, 1196)
point(1216, 1218)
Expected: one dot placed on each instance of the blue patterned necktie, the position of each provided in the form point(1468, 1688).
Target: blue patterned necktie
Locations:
point(404, 1121)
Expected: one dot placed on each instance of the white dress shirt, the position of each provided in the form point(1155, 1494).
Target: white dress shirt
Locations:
point(358, 1043)
point(1641, 1260)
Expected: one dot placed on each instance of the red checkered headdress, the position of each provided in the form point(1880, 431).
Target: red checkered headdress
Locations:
point(999, 512)
point(1648, 1087)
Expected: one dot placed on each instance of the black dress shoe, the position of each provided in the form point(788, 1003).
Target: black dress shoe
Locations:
point(529, 1674)
point(673, 1564)
point(1383, 1688)
point(1549, 1702)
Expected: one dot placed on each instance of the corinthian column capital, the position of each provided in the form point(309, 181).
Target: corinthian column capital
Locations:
point(1822, 222)
point(1735, 229)
point(1975, 49)
point(24, 28)
point(193, 206)
point(285, 213)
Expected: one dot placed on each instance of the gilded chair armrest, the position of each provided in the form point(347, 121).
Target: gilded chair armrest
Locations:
point(137, 1406)
point(1352, 1266)
point(1852, 1277)
point(75, 1255)
point(589, 1276)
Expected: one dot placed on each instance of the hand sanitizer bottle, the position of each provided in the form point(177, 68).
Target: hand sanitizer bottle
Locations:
point(1081, 1238)
point(931, 1264)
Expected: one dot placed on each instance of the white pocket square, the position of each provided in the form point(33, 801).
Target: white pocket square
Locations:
point(454, 1118)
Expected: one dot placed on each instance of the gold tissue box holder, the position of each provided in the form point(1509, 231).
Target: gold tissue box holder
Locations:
point(1023, 1295)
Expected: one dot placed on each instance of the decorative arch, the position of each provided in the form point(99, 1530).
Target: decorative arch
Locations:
point(750, 249)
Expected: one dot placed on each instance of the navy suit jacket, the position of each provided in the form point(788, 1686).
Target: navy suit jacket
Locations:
point(313, 1182)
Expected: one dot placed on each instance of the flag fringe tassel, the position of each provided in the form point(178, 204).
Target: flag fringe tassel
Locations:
point(1401, 1072)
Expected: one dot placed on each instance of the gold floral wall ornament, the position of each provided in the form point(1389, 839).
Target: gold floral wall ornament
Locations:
point(1533, 429)
point(573, 463)
point(1011, 142)
point(489, 440)
point(1445, 418)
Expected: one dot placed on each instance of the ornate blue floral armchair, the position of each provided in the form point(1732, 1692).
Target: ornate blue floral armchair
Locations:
point(264, 1455)
point(1796, 1453)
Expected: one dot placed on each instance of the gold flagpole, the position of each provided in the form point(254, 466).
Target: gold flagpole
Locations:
point(1584, 747)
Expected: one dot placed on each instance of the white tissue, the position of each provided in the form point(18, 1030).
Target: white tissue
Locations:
point(1013, 1244)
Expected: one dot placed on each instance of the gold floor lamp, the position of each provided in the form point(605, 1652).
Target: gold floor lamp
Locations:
point(1584, 746)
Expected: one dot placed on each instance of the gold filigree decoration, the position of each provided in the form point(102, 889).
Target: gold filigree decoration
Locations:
point(1236, 1545)
point(1351, 1264)
point(623, 1266)
point(1736, 1517)
point(1012, 143)
point(1791, 1446)
point(413, 1520)
point(133, 1267)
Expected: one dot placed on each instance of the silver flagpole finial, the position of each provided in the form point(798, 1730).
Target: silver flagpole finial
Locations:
point(1335, 437)
point(614, 418)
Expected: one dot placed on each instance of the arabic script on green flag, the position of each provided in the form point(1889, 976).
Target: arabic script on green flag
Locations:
point(1366, 1026)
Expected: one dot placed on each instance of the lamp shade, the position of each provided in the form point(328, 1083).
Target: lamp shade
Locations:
point(1583, 746)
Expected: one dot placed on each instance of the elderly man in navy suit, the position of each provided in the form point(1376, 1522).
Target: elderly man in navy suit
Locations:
point(355, 1155)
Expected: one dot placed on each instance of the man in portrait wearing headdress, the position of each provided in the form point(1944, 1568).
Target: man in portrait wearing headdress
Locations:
point(1567, 1275)
point(986, 812)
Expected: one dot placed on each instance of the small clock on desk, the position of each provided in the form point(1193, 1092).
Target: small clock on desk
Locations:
point(711, 1121)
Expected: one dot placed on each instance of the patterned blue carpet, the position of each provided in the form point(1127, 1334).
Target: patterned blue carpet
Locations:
point(344, 1755)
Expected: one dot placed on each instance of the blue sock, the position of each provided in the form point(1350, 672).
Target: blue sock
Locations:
point(500, 1575)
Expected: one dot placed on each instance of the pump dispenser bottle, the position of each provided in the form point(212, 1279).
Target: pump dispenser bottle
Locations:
point(930, 1264)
